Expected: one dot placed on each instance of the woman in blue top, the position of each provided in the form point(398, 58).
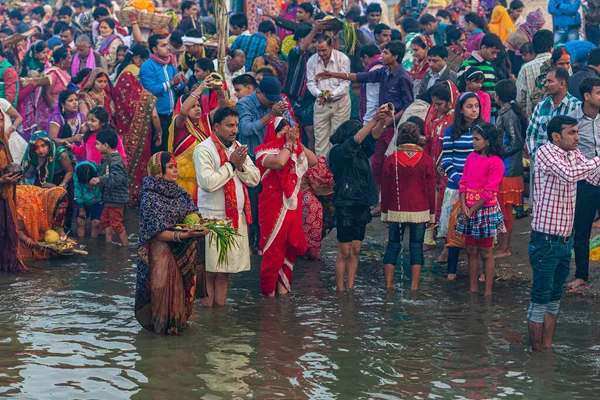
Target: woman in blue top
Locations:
point(458, 144)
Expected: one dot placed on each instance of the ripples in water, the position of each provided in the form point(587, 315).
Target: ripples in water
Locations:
point(68, 332)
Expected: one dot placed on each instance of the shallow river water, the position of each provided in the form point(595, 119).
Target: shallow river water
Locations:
point(67, 331)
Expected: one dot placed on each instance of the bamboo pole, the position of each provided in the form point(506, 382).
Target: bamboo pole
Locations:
point(222, 23)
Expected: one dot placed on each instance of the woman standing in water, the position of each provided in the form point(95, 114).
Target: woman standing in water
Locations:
point(354, 191)
point(9, 260)
point(167, 259)
point(282, 161)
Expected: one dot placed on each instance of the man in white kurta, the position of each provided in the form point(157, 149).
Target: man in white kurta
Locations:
point(213, 175)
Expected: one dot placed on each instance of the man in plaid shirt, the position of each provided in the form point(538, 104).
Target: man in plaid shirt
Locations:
point(254, 46)
point(558, 167)
point(558, 102)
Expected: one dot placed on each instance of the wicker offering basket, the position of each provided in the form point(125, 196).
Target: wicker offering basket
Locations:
point(149, 20)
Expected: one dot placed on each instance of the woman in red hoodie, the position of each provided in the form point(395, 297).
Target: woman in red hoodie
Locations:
point(407, 200)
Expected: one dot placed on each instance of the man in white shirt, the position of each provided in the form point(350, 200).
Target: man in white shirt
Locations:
point(234, 66)
point(333, 99)
point(224, 171)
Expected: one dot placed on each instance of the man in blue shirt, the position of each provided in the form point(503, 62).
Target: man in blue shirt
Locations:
point(431, 26)
point(256, 111)
point(159, 76)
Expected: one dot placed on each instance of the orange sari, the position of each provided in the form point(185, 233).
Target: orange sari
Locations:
point(35, 211)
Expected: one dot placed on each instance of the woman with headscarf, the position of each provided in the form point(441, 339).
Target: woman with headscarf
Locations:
point(534, 22)
point(166, 283)
point(33, 65)
point(66, 124)
point(108, 43)
point(46, 165)
point(9, 260)
point(419, 47)
point(58, 78)
point(39, 210)
point(456, 43)
point(317, 207)
point(282, 161)
point(439, 116)
point(190, 127)
point(501, 24)
point(135, 117)
point(272, 59)
point(96, 90)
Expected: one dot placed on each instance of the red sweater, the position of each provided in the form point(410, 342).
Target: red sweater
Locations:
point(408, 187)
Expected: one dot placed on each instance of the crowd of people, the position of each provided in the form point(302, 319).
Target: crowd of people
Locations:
point(322, 115)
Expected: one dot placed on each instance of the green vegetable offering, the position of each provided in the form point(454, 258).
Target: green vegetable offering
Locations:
point(222, 234)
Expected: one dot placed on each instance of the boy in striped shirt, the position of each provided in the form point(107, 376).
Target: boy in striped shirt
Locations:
point(491, 45)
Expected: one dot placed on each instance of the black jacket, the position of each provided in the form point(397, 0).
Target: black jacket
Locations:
point(113, 180)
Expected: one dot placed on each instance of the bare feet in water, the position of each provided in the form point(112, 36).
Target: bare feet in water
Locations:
point(428, 247)
point(443, 258)
point(574, 284)
point(502, 253)
point(451, 277)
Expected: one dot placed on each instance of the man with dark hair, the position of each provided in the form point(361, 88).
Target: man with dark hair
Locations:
point(160, 77)
point(238, 24)
point(254, 45)
point(65, 14)
point(336, 9)
point(55, 28)
point(368, 102)
point(67, 37)
point(558, 167)
point(332, 106)
point(588, 194)
point(37, 16)
point(373, 13)
point(438, 70)
point(591, 70)
point(398, 91)
point(543, 42)
point(189, 16)
point(431, 26)
point(244, 85)
point(225, 172)
point(296, 83)
point(304, 15)
point(491, 45)
point(383, 34)
point(558, 102)
point(16, 22)
point(235, 65)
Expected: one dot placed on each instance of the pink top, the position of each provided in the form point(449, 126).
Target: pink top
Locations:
point(486, 105)
point(87, 151)
point(481, 179)
point(474, 41)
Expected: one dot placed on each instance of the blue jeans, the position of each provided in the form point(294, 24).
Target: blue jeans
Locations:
point(396, 235)
point(551, 263)
point(564, 36)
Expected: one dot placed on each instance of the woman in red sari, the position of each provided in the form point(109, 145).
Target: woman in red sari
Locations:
point(135, 116)
point(439, 116)
point(282, 161)
point(189, 128)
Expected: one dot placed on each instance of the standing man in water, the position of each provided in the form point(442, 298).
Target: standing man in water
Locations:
point(224, 170)
point(558, 167)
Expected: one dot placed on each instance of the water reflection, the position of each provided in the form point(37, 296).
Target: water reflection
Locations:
point(67, 331)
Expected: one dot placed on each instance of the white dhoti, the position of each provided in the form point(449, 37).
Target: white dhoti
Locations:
point(238, 255)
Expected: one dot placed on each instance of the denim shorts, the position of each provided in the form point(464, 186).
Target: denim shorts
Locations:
point(551, 263)
point(396, 236)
